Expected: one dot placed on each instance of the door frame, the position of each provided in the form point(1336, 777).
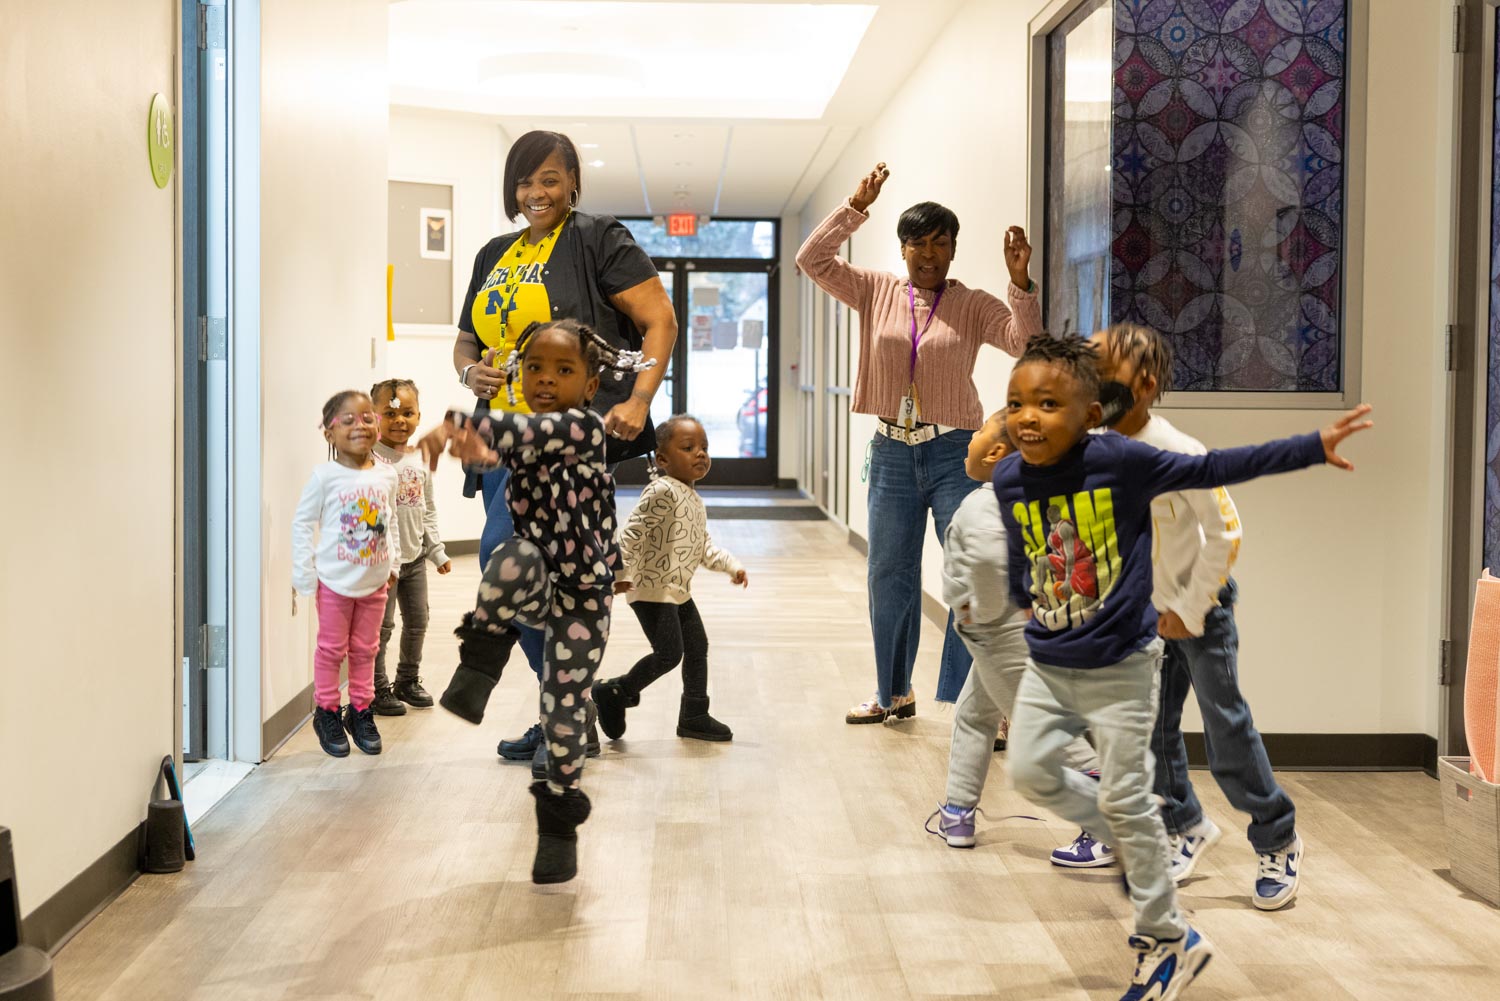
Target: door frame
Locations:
point(757, 472)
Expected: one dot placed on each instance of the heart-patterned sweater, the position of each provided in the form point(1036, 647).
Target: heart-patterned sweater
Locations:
point(666, 540)
point(561, 496)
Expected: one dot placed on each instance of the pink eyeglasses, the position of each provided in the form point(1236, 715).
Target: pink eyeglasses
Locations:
point(348, 420)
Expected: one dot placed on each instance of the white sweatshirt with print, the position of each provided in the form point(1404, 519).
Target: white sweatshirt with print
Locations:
point(352, 513)
point(665, 540)
point(1196, 537)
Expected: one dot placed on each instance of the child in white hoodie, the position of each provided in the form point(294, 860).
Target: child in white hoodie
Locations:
point(663, 544)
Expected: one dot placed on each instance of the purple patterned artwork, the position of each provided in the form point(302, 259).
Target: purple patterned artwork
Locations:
point(1228, 177)
point(1492, 402)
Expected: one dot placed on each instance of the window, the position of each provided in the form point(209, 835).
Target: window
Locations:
point(742, 238)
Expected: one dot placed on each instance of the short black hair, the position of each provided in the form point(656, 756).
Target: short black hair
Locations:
point(530, 152)
point(390, 387)
point(1075, 354)
point(668, 427)
point(924, 219)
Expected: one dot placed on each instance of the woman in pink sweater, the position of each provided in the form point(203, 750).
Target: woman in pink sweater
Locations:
point(919, 335)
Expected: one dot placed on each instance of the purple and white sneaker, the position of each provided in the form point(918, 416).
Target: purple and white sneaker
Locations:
point(1189, 846)
point(955, 825)
point(1163, 969)
point(1084, 853)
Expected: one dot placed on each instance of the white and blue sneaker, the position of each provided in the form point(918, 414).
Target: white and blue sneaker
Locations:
point(1164, 969)
point(1280, 872)
point(1084, 853)
point(1189, 846)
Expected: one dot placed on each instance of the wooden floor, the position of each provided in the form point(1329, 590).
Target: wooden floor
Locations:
point(788, 864)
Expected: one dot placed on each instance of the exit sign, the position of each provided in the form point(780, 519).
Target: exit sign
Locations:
point(682, 224)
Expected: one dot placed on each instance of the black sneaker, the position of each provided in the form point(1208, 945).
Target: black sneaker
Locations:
point(410, 691)
point(522, 748)
point(330, 732)
point(386, 703)
point(361, 726)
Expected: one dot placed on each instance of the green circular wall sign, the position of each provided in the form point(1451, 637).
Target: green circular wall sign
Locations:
point(159, 140)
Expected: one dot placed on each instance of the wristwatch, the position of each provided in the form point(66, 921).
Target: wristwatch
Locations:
point(463, 375)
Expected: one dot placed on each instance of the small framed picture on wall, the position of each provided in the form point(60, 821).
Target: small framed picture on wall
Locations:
point(436, 236)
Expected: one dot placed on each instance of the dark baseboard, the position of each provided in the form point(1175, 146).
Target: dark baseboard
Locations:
point(461, 547)
point(61, 915)
point(859, 543)
point(1338, 752)
point(786, 484)
point(286, 720)
point(781, 512)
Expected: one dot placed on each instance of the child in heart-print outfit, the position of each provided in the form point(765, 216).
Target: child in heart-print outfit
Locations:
point(557, 571)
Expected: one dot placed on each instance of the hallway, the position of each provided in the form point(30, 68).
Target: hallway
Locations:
point(789, 864)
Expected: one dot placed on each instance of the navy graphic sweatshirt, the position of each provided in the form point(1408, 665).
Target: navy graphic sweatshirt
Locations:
point(1079, 535)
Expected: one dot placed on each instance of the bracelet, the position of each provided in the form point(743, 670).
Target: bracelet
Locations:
point(642, 395)
point(463, 375)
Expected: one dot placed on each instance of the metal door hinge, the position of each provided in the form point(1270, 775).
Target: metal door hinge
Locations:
point(214, 647)
point(1460, 22)
point(210, 26)
point(1445, 662)
point(212, 342)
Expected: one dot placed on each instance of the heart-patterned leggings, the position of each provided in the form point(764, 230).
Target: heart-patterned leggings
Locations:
point(518, 586)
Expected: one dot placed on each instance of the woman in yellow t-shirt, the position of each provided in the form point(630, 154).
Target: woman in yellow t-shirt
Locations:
point(563, 264)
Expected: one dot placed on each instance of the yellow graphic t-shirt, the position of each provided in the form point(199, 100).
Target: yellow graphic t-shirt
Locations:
point(512, 297)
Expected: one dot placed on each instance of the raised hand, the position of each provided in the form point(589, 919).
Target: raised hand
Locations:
point(1018, 257)
point(869, 188)
point(1333, 434)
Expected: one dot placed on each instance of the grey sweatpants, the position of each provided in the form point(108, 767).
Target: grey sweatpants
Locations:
point(410, 593)
point(988, 697)
point(1117, 704)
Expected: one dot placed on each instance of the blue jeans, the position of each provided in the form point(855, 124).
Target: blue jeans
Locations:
point(1236, 755)
point(499, 526)
point(907, 481)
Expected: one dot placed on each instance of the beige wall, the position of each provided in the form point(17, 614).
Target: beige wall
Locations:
point(88, 348)
point(323, 236)
point(1341, 576)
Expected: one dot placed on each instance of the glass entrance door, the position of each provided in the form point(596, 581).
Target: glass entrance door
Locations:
point(720, 369)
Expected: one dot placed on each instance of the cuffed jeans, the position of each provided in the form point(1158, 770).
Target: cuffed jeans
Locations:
point(907, 481)
point(499, 526)
point(989, 696)
point(1236, 755)
point(1117, 706)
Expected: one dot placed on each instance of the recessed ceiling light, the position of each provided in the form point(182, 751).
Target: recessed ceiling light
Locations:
point(683, 163)
point(596, 163)
point(682, 136)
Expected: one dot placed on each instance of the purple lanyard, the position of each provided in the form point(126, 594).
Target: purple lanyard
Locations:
point(917, 335)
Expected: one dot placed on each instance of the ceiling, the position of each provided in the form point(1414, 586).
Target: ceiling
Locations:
point(709, 106)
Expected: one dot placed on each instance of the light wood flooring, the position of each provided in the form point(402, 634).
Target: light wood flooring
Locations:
point(788, 864)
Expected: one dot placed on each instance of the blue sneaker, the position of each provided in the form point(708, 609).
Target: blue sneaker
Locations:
point(1164, 969)
point(1189, 846)
point(955, 825)
point(1280, 872)
point(1084, 853)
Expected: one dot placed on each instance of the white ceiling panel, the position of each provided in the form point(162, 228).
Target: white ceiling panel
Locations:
point(764, 164)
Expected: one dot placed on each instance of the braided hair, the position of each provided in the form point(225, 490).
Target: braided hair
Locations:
point(331, 410)
point(664, 432)
point(1073, 354)
point(1151, 352)
point(390, 387)
point(597, 352)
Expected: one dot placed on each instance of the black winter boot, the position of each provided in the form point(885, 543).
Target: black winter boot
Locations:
point(613, 697)
point(694, 721)
point(557, 820)
point(481, 657)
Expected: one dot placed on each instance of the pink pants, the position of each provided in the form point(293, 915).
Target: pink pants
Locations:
point(347, 627)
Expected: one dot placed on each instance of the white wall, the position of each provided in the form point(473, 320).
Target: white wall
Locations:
point(323, 257)
point(88, 348)
point(468, 154)
point(1341, 576)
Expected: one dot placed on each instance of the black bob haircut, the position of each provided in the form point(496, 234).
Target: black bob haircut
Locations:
point(925, 219)
point(529, 153)
point(1074, 355)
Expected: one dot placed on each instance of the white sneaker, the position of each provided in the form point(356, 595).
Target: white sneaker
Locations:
point(1280, 872)
point(1189, 846)
point(1083, 853)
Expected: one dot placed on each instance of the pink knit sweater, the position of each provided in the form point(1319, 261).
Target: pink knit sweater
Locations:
point(966, 318)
